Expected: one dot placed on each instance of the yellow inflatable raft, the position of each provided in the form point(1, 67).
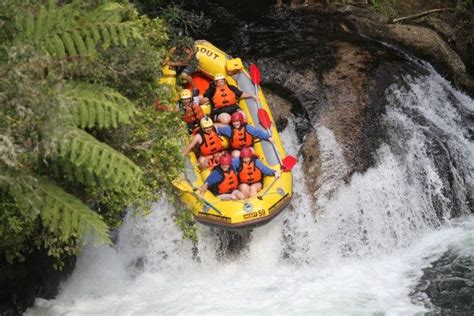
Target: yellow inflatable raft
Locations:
point(275, 194)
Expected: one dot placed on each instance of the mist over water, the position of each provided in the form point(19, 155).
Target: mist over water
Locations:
point(353, 248)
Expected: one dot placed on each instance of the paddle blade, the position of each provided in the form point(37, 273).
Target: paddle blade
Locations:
point(264, 119)
point(255, 74)
point(288, 163)
point(183, 185)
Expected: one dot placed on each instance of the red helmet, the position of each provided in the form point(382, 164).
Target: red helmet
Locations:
point(225, 160)
point(237, 116)
point(246, 153)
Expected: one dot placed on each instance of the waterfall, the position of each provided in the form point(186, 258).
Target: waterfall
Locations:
point(360, 250)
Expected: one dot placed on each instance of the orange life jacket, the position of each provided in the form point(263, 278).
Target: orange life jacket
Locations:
point(224, 97)
point(192, 113)
point(240, 138)
point(211, 143)
point(249, 173)
point(230, 181)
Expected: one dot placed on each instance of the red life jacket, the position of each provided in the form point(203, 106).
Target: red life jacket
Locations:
point(211, 143)
point(249, 173)
point(192, 113)
point(240, 138)
point(229, 183)
point(224, 97)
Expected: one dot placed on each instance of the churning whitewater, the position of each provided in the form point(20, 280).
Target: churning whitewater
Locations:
point(356, 247)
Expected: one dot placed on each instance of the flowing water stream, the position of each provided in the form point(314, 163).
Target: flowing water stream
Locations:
point(360, 249)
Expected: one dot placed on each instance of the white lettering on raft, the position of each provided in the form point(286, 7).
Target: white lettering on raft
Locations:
point(208, 52)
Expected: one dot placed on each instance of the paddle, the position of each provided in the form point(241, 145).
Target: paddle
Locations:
point(289, 161)
point(260, 197)
point(255, 76)
point(185, 186)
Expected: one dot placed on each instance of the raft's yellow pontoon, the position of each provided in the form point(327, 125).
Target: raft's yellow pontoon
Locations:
point(275, 194)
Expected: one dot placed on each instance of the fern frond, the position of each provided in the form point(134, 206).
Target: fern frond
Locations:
point(109, 12)
point(29, 24)
point(123, 35)
point(98, 106)
point(52, 16)
point(83, 150)
point(19, 186)
point(91, 46)
point(69, 44)
point(64, 213)
point(41, 22)
point(113, 33)
point(105, 35)
point(56, 47)
point(79, 42)
point(95, 31)
point(80, 31)
point(59, 211)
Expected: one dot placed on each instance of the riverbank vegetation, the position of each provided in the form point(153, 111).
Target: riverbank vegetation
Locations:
point(79, 138)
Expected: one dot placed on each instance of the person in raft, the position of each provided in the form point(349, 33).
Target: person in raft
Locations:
point(192, 112)
point(224, 98)
point(186, 63)
point(243, 134)
point(209, 141)
point(223, 181)
point(250, 172)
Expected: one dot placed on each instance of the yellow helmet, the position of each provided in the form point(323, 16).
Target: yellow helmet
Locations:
point(185, 94)
point(206, 122)
point(219, 76)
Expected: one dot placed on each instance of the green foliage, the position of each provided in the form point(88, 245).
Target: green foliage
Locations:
point(385, 7)
point(69, 217)
point(133, 71)
point(70, 30)
point(155, 143)
point(30, 110)
point(110, 202)
point(15, 228)
point(182, 24)
point(93, 105)
point(464, 6)
point(83, 150)
point(185, 221)
point(67, 67)
point(36, 201)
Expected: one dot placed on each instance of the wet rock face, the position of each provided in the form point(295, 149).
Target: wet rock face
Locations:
point(347, 98)
point(449, 285)
point(430, 41)
point(346, 91)
point(281, 108)
point(22, 283)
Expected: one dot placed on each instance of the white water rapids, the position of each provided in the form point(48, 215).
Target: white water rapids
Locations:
point(362, 252)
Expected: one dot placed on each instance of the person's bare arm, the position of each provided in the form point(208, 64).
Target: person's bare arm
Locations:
point(203, 189)
point(246, 95)
point(195, 140)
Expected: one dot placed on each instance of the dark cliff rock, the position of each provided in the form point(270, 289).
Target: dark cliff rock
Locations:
point(22, 283)
point(429, 38)
point(347, 98)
